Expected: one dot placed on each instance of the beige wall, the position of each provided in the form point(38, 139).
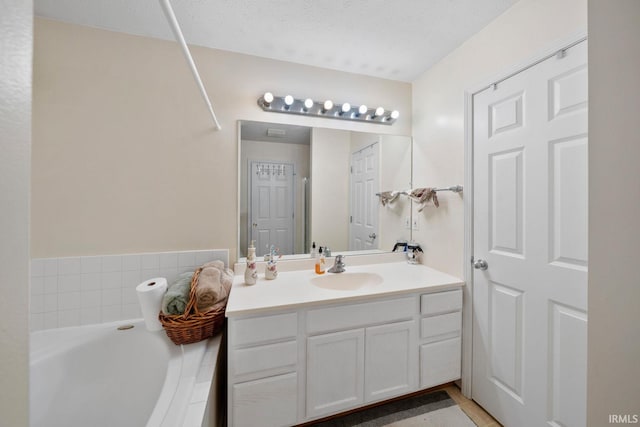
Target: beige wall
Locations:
point(614, 210)
point(438, 111)
point(395, 164)
point(16, 47)
point(330, 187)
point(125, 158)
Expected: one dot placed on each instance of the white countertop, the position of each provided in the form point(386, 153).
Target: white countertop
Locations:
point(293, 289)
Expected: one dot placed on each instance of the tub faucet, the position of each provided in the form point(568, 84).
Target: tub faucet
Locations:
point(338, 266)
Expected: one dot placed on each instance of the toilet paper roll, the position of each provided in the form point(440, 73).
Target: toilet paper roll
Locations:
point(150, 295)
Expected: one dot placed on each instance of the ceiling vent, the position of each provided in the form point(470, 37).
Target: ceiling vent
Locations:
point(276, 133)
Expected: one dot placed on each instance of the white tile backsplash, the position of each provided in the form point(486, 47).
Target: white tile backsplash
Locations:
point(90, 281)
point(111, 297)
point(111, 279)
point(50, 320)
point(37, 304)
point(91, 264)
point(90, 315)
point(112, 263)
point(131, 262)
point(69, 301)
point(186, 259)
point(69, 283)
point(168, 260)
point(51, 266)
point(90, 299)
point(84, 290)
point(150, 261)
point(50, 284)
point(111, 313)
point(68, 266)
point(68, 318)
point(50, 303)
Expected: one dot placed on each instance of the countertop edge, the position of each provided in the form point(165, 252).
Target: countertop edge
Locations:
point(355, 299)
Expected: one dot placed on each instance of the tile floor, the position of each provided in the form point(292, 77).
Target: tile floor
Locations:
point(471, 408)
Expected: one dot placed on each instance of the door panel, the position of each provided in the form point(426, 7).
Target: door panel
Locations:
point(363, 227)
point(530, 226)
point(271, 206)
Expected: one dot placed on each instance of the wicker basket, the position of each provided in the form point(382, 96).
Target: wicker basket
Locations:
point(194, 326)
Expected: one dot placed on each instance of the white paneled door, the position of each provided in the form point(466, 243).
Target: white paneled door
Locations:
point(530, 244)
point(271, 207)
point(363, 224)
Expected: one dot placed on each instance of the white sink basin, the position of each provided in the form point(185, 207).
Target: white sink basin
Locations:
point(347, 281)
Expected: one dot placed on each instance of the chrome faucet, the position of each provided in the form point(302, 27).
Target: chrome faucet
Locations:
point(338, 266)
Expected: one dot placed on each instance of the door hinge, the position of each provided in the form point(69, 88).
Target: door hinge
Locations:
point(351, 169)
point(350, 219)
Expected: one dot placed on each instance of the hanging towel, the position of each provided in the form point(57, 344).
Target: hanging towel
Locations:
point(177, 297)
point(388, 197)
point(423, 195)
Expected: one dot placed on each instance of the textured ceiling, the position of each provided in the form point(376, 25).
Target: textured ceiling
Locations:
point(393, 39)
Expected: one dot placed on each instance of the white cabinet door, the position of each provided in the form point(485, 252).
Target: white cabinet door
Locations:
point(335, 372)
point(267, 402)
point(391, 360)
point(440, 362)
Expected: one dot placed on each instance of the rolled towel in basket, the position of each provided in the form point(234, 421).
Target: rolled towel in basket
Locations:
point(177, 297)
point(226, 275)
point(216, 263)
point(210, 289)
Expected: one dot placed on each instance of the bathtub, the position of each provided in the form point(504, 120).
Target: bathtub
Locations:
point(98, 375)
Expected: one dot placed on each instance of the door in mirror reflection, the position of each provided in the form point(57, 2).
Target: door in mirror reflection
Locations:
point(271, 206)
point(363, 226)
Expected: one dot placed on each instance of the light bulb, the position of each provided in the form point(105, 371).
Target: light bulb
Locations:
point(268, 97)
point(328, 105)
point(395, 114)
point(308, 103)
point(288, 100)
point(363, 109)
point(379, 111)
point(346, 107)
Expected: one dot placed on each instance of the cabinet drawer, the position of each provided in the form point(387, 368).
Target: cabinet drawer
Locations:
point(358, 315)
point(268, 402)
point(256, 330)
point(440, 362)
point(265, 358)
point(440, 325)
point(441, 302)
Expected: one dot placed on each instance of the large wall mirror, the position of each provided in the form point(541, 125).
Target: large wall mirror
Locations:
point(300, 185)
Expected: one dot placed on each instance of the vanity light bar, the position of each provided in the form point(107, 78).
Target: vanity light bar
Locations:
point(327, 109)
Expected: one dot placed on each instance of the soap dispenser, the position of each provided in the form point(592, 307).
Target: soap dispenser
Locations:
point(320, 260)
point(251, 271)
point(313, 250)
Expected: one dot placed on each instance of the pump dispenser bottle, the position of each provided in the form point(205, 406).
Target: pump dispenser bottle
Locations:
point(320, 262)
point(251, 272)
point(313, 250)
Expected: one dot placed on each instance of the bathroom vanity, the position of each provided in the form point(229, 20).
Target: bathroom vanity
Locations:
point(304, 347)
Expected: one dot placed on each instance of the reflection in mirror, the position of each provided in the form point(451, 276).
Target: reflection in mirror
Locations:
point(300, 185)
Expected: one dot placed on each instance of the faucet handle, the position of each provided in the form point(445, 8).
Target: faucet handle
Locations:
point(339, 259)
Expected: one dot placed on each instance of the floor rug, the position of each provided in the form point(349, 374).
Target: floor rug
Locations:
point(433, 409)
